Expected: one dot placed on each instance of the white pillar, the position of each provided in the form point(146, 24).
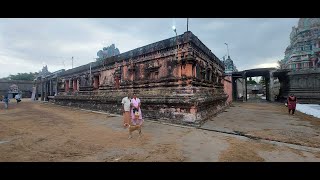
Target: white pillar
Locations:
point(271, 85)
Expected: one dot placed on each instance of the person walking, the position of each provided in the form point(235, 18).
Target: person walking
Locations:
point(126, 104)
point(292, 102)
point(6, 101)
point(136, 116)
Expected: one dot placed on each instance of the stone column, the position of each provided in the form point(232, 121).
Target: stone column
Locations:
point(36, 91)
point(50, 87)
point(74, 81)
point(246, 96)
point(46, 91)
point(42, 90)
point(234, 89)
point(244, 87)
point(78, 84)
point(66, 85)
point(57, 91)
point(271, 85)
point(267, 81)
point(313, 63)
point(71, 83)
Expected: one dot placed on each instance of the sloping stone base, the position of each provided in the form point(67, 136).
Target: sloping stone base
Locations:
point(191, 111)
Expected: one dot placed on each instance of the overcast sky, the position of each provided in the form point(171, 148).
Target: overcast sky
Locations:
point(28, 44)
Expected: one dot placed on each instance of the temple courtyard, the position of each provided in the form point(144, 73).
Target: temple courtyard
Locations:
point(252, 131)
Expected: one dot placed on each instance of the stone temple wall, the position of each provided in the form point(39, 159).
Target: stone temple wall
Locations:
point(179, 80)
point(24, 87)
point(305, 85)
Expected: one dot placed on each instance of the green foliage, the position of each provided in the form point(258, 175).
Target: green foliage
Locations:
point(262, 80)
point(22, 76)
point(251, 81)
point(280, 65)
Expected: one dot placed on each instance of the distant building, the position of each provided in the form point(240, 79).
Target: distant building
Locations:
point(13, 87)
point(43, 73)
point(304, 49)
point(46, 84)
point(107, 52)
point(229, 66)
point(227, 81)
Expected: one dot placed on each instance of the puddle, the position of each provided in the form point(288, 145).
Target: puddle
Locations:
point(2, 142)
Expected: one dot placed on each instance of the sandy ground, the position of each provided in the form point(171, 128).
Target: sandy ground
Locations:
point(269, 120)
point(34, 131)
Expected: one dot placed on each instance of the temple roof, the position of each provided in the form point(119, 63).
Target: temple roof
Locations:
point(160, 45)
point(306, 23)
point(44, 72)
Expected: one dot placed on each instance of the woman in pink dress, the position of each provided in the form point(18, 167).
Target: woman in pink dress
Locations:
point(135, 106)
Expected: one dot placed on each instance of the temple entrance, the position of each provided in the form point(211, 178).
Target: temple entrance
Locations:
point(256, 89)
point(245, 86)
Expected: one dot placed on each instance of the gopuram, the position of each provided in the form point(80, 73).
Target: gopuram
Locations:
point(300, 68)
point(179, 81)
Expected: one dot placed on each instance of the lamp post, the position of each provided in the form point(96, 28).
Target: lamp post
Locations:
point(175, 30)
point(187, 24)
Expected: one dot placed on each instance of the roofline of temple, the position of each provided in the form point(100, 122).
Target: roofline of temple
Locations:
point(156, 46)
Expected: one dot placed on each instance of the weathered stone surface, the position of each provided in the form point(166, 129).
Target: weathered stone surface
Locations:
point(304, 84)
point(304, 49)
point(48, 84)
point(23, 87)
point(179, 80)
point(108, 52)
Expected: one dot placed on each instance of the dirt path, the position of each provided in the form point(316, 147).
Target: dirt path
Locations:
point(269, 121)
point(33, 131)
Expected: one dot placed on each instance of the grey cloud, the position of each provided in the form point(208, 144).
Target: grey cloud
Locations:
point(54, 41)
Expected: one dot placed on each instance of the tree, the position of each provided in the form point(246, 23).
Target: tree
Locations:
point(262, 80)
point(280, 65)
point(251, 81)
point(22, 76)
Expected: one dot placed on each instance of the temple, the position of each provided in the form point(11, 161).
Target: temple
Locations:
point(229, 66)
point(227, 81)
point(107, 52)
point(304, 49)
point(299, 72)
point(179, 80)
point(13, 87)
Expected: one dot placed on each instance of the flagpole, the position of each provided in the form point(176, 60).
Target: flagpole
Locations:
point(187, 24)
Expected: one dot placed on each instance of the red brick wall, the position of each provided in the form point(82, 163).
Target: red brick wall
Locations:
point(227, 83)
